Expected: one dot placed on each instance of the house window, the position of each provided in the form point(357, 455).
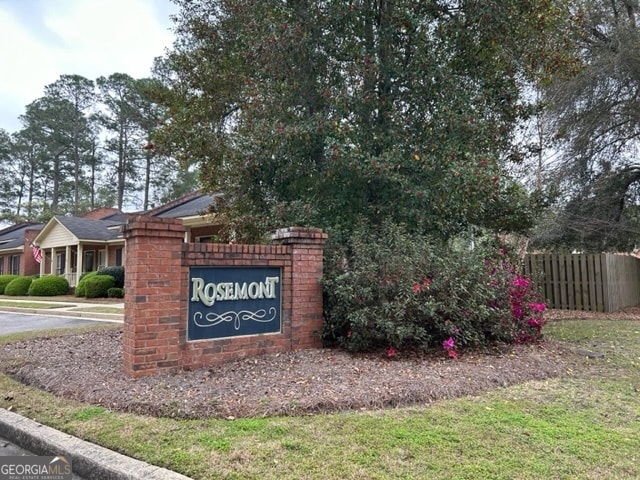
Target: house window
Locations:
point(118, 257)
point(15, 265)
point(88, 261)
point(208, 239)
point(60, 263)
point(1, 265)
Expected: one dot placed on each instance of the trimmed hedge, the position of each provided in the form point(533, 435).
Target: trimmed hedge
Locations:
point(18, 286)
point(115, 292)
point(80, 287)
point(97, 286)
point(116, 272)
point(49, 286)
point(5, 280)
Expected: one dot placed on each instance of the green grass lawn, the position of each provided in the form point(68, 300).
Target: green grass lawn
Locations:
point(583, 426)
point(31, 304)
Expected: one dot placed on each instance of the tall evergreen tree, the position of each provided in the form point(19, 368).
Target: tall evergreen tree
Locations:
point(80, 93)
point(159, 171)
point(48, 131)
point(124, 140)
point(323, 112)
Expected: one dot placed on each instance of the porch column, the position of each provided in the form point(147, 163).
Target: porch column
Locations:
point(80, 260)
point(67, 263)
point(52, 255)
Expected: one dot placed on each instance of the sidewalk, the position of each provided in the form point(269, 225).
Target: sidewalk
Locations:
point(71, 307)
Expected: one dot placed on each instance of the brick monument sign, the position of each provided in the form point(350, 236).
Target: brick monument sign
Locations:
point(194, 305)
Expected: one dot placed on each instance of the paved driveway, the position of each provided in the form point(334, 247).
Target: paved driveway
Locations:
point(11, 322)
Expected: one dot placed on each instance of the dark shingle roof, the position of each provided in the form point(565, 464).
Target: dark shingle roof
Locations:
point(116, 217)
point(13, 236)
point(196, 205)
point(91, 229)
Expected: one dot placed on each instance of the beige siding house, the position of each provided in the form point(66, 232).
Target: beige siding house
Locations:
point(72, 246)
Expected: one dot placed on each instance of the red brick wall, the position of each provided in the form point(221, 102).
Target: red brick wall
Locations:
point(100, 213)
point(156, 303)
point(112, 254)
point(28, 266)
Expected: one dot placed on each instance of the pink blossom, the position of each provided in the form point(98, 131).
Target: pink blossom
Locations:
point(516, 311)
point(538, 307)
point(449, 343)
point(426, 283)
point(534, 322)
point(391, 352)
point(521, 282)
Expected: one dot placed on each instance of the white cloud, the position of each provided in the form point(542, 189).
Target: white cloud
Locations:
point(41, 40)
point(25, 64)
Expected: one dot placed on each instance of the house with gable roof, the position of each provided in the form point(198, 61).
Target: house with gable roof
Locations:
point(193, 209)
point(72, 246)
point(16, 257)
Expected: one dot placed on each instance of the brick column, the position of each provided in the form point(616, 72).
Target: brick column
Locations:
point(29, 265)
point(154, 283)
point(307, 249)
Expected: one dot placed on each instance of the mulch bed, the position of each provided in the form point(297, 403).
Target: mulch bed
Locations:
point(88, 368)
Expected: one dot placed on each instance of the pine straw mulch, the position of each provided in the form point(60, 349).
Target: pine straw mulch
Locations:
point(87, 367)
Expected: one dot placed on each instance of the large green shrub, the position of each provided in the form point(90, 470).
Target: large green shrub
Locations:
point(18, 286)
point(116, 272)
point(49, 286)
point(385, 288)
point(80, 287)
point(5, 280)
point(97, 286)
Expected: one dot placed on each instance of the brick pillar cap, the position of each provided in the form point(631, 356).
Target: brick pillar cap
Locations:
point(299, 235)
point(158, 225)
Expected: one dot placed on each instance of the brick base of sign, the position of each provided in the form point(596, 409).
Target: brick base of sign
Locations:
point(157, 297)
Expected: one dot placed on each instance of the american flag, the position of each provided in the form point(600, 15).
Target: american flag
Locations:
point(37, 253)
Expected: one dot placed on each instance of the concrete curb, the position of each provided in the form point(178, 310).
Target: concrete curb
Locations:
point(88, 460)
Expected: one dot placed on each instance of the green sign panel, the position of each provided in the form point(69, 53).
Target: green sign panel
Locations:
point(231, 302)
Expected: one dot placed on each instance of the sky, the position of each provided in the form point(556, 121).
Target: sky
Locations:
point(40, 40)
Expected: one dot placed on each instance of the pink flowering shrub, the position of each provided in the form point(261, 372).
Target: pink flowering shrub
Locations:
point(525, 304)
point(390, 291)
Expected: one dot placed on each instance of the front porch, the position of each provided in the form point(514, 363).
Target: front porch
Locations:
point(71, 261)
point(72, 246)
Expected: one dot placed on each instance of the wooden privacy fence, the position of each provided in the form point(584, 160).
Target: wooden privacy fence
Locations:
point(599, 282)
